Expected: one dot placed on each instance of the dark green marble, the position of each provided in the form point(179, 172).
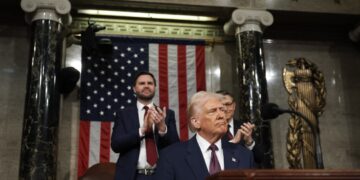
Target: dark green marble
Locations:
point(41, 116)
point(253, 88)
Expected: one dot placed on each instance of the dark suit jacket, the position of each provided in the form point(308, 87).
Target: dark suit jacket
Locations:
point(125, 140)
point(184, 160)
point(258, 150)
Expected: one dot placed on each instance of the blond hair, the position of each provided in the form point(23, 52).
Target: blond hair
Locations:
point(197, 101)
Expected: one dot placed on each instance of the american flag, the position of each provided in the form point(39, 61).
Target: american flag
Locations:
point(106, 86)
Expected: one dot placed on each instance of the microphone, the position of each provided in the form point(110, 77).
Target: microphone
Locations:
point(271, 111)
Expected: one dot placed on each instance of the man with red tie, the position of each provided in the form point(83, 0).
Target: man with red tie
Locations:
point(205, 153)
point(243, 134)
point(140, 132)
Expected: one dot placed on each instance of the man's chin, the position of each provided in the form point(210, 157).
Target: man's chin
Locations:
point(223, 128)
point(221, 132)
point(145, 97)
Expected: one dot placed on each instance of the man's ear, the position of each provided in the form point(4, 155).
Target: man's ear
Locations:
point(195, 122)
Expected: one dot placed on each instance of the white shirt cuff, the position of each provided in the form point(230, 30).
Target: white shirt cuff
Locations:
point(163, 133)
point(140, 133)
point(251, 147)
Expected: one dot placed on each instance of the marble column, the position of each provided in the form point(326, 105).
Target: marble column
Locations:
point(42, 104)
point(247, 26)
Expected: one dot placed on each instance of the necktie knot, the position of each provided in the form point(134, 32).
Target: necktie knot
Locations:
point(146, 108)
point(213, 147)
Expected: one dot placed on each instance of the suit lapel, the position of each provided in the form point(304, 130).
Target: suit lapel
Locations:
point(133, 114)
point(195, 159)
point(230, 159)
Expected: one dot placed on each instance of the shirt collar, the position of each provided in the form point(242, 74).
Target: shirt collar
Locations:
point(231, 122)
point(231, 126)
point(140, 106)
point(204, 144)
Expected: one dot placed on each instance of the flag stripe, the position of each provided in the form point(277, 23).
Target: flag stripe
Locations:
point(163, 73)
point(200, 68)
point(105, 142)
point(95, 130)
point(172, 81)
point(154, 67)
point(83, 162)
point(191, 75)
point(113, 156)
point(182, 93)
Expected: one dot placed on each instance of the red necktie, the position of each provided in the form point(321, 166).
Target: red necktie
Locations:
point(214, 163)
point(151, 154)
point(230, 136)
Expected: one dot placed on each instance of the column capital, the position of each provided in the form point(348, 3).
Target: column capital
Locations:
point(248, 20)
point(56, 10)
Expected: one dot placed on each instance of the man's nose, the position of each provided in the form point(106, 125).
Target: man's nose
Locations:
point(221, 114)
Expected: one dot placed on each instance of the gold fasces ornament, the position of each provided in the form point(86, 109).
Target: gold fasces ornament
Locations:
point(305, 85)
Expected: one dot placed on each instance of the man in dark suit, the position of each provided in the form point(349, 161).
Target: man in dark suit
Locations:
point(205, 153)
point(244, 129)
point(141, 131)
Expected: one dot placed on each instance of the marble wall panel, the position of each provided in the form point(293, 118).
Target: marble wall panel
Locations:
point(14, 54)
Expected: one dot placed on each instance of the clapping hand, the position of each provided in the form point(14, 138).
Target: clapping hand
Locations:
point(148, 122)
point(244, 132)
point(158, 117)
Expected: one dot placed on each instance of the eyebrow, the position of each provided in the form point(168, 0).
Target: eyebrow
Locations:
point(150, 82)
point(215, 108)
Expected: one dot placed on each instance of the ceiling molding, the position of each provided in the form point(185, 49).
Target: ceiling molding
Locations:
point(142, 28)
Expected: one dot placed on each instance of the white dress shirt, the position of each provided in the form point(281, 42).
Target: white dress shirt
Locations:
point(142, 162)
point(231, 128)
point(206, 152)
